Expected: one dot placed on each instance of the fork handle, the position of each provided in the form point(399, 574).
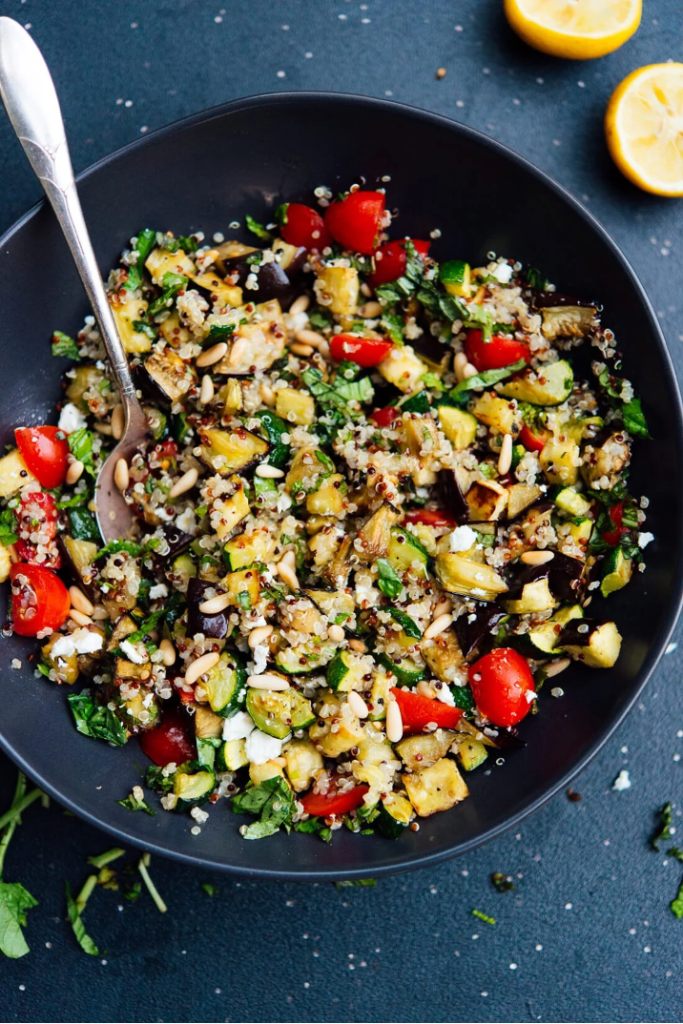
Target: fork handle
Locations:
point(29, 95)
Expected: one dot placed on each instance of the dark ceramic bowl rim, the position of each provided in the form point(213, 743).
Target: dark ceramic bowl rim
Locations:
point(669, 620)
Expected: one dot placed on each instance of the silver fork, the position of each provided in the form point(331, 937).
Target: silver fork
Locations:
point(30, 99)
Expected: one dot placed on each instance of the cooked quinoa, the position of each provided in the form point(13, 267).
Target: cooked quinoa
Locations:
point(376, 502)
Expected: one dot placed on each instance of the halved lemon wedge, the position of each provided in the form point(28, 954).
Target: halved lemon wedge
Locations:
point(577, 29)
point(644, 128)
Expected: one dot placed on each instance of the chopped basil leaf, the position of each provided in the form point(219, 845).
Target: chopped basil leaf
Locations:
point(84, 940)
point(664, 832)
point(483, 917)
point(408, 625)
point(389, 582)
point(209, 889)
point(14, 902)
point(360, 883)
point(257, 229)
point(634, 418)
point(63, 345)
point(244, 600)
point(115, 546)
point(131, 803)
point(147, 239)
point(96, 720)
point(81, 447)
point(82, 524)
point(488, 377)
point(272, 800)
point(8, 525)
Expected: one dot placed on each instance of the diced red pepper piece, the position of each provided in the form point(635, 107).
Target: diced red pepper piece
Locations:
point(324, 805)
point(417, 711)
point(363, 351)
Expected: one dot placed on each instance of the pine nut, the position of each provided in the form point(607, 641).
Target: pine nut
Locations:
point(103, 428)
point(425, 689)
point(118, 422)
point(299, 305)
point(267, 394)
point(207, 391)
point(437, 626)
point(370, 310)
point(442, 607)
point(286, 572)
point(212, 355)
point(505, 457)
point(555, 667)
point(366, 290)
point(335, 633)
point(469, 371)
point(168, 655)
point(268, 681)
point(121, 475)
point(269, 472)
point(537, 557)
point(313, 338)
point(74, 472)
point(200, 666)
point(80, 602)
point(186, 482)
point(238, 349)
point(80, 618)
point(258, 635)
point(358, 645)
point(394, 722)
point(289, 558)
point(301, 350)
point(215, 604)
point(13, 554)
point(99, 613)
point(357, 704)
point(459, 364)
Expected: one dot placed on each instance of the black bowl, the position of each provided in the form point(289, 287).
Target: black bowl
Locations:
point(249, 156)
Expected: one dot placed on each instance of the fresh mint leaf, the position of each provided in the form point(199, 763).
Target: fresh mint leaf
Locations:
point(257, 229)
point(65, 346)
point(96, 720)
point(408, 625)
point(14, 902)
point(389, 582)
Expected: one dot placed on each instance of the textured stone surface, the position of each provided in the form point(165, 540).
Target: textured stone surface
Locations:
point(587, 934)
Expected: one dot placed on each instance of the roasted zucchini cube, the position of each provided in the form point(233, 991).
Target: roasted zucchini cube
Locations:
point(435, 789)
point(340, 287)
point(228, 452)
point(487, 501)
point(499, 413)
point(460, 576)
point(295, 406)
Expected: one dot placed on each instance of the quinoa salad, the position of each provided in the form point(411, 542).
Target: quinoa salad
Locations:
point(377, 500)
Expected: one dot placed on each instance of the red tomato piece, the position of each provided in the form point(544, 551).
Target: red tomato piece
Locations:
point(500, 351)
point(390, 261)
point(170, 741)
point(385, 417)
point(355, 222)
point(532, 441)
point(616, 514)
point(40, 601)
point(418, 711)
point(305, 226)
point(432, 517)
point(37, 528)
point(324, 805)
point(45, 451)
point(501, 683)
point(363, 351)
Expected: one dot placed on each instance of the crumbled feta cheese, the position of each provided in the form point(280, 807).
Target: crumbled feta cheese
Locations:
point(238, 727)
point(71, 418)
point(131, 652)
point(262, 748)
point(503, 273)
point(530, 696)
point(644, 539)
point(186, 521)
point(283, 503)
point(260, 659)
point(86, 642)
point(622, 781)
point(462, 538)
point(445, 696)
point(63, 648)
point(16, 663)
point(158, 590)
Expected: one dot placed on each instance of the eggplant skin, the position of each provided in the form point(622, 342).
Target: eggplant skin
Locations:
point(213, 626)
point(453, 499)
point(177, 542)
point(564, 575)
point(472, 635)
point(273, 282)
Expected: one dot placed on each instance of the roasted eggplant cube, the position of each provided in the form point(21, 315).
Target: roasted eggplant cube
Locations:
point(164, 377)
point(214, 626)
point(234, 451)
point(596, 644)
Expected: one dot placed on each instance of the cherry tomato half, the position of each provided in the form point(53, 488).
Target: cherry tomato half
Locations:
point(324, 805)
point(45, 451)
point(363, 351)
point(385, 417)
point(532, 441)
point(500, 351)
point(432, 517)
point(501, 682)
point(305, 226)
point(354, 222)
point(390, 261)
point(170, 741)
point(37, 517)
point(418, 711)
point(39, 599)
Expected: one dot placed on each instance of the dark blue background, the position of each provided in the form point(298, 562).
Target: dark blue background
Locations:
point(587, 934)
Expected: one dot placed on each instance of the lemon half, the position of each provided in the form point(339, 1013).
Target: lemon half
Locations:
point(576, 29)
point(644, 128)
